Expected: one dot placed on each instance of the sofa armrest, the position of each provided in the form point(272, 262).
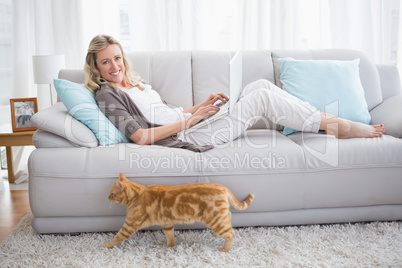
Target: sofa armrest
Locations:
point(58, 121)
point(390, 81)
point(389, 113)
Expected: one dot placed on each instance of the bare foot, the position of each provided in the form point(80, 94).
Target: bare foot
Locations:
point(348, 129)
point(345, 129)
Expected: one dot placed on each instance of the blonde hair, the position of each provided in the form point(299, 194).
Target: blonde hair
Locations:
point(95, 80)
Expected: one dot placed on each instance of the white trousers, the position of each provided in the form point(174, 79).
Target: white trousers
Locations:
point(259, 100)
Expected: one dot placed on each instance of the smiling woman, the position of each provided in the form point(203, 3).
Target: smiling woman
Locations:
point(111, 65)
point(106, 61)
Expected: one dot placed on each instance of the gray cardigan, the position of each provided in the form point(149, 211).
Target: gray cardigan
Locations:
point(125, 115)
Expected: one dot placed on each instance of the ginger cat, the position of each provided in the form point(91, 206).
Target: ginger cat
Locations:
point(167, 205)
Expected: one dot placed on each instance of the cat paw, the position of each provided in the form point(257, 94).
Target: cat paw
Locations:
point(168, 245)
point(224, 250)
point(108, 245)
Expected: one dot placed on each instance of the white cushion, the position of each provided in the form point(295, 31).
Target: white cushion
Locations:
point(57, 120)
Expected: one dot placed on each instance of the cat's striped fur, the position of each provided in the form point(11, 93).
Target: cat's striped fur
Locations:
point(167, 205)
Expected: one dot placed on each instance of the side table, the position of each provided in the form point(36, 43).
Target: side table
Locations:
point(10, 139)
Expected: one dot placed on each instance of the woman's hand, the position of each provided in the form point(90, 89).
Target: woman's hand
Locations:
point(214, 98)
point(201, 113)
point(209, 101)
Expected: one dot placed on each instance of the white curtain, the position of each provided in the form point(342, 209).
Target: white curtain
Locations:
point(367, 25)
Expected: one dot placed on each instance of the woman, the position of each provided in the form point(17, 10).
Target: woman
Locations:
point(127, 102)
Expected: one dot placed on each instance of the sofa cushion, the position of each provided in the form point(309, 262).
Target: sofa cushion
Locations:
point(169, 73)
point(211, 71)
point(209, 75)
point(81, 104)
point(325, 151)
point(44, 139)
point(389, 113)
point(57, 120)
point(331, 86)
point(368, 72)
point(390, 80)
point(348, 170)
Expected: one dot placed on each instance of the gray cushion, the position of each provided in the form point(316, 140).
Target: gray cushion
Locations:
point(208, 74)
point(73, 75)
point(168, 72)
point(325, 151)
point(389, 114)
point(211, 71)
point(58, 121)
point(44, 139)
point(390, 80)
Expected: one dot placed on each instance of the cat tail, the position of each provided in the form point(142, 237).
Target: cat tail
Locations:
point(237, 204)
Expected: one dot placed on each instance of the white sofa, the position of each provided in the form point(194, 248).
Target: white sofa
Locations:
point(297, 179)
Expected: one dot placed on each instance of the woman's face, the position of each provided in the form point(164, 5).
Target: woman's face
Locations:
point(110, 64)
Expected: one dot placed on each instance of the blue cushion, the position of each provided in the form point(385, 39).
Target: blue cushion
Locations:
point(81, 104)
point(333, 87)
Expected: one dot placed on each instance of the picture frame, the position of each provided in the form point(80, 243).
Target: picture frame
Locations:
point(22, 109)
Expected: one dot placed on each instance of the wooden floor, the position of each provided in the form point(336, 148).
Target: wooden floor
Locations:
point(13, 206)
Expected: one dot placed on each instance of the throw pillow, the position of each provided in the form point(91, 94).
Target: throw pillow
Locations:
point(81, 104)
point(333, 87)
point(57, 120)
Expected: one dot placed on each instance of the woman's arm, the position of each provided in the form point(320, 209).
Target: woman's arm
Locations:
point(150, 135)
point(210, 100)
point(116, 107)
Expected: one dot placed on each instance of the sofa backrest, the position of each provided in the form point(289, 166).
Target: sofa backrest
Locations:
point(168, 72)
point(185, 78)
point(211, 71)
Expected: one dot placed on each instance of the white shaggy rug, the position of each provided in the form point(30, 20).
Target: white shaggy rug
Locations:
point(377, 244)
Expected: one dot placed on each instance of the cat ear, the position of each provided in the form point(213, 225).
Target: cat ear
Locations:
point(122, 177)
point(120, 186)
